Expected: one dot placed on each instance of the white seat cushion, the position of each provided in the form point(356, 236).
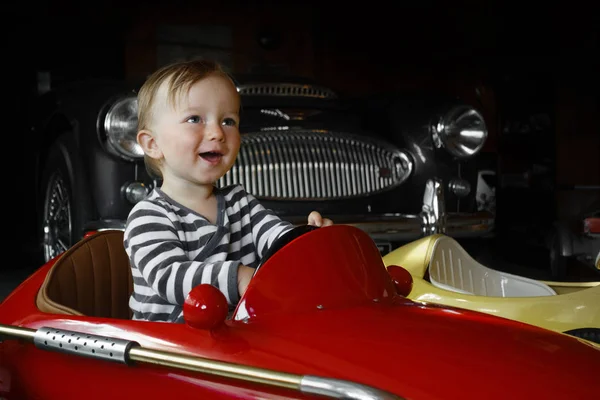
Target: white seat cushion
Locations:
point(452, 268)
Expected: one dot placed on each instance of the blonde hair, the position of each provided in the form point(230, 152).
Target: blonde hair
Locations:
point(179, 78)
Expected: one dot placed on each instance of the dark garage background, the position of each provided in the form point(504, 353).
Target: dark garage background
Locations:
point(534, 66)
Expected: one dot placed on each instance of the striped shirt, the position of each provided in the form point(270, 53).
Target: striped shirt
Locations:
point(172, 249)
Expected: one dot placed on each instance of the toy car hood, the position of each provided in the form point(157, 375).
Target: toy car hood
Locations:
point(322, 306)
point(327, 297)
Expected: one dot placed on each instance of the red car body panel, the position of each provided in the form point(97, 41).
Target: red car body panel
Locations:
point(322, 305)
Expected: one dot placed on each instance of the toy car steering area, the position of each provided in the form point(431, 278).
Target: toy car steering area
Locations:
point(401, 278)
point(284, 239)
point(361, 278)
point(205, 306)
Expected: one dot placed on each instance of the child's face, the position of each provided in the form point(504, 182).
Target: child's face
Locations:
point(198, 137)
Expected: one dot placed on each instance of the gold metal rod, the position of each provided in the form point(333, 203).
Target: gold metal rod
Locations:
point(307, 384)
point(219, 368)
point(15, 332)
point(185, 362)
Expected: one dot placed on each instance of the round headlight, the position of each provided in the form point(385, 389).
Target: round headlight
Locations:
point(461, 131)
point(121, 124)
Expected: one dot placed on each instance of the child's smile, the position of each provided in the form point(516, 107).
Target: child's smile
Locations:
point(212, 157)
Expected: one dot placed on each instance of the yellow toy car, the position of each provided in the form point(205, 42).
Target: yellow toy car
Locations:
point(443, 272)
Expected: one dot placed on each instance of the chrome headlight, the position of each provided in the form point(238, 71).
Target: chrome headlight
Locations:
point(461, 131)
point(120, 126)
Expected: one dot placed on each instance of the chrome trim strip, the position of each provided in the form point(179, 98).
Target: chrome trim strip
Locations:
point(130, 351)
point(286, 89)
point(338, 389)
point(406, 227)
point(434, 208)
point(399, 227)
point(411, 227)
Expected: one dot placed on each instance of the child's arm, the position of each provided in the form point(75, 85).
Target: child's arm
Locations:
point(245, 274)
point(266, 226)
point(160, 263)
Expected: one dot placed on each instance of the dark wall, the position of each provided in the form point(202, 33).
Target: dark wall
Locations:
point(527, 60)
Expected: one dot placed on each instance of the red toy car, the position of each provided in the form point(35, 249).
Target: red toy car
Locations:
point(322, 318)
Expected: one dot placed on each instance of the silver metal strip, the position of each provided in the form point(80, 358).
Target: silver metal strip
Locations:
point(286, 89)
point(372, 176)
point(343, 168)
point(351, 167)
point(338, 389)
point(364, 166)
point(261, 170)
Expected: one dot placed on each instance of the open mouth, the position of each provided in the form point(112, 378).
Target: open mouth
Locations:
point(211, 156)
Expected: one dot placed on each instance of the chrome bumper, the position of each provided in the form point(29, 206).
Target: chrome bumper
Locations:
point(408, 227)
point(403, 227)
point(432, 219)
point(395, 227)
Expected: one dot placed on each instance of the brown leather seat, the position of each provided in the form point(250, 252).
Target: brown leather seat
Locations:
point(92, 278)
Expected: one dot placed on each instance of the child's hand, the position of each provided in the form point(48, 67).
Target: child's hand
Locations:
point(244, 276)
point(315, 219)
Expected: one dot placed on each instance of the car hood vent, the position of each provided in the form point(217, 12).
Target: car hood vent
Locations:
point(285, 89)
point(316, 165)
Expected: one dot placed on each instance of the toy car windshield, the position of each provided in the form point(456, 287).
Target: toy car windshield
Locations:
point(349, 274)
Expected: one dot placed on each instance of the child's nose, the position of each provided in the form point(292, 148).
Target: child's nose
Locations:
point(215, 132)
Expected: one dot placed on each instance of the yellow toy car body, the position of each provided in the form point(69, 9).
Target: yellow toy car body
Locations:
point(443, 272)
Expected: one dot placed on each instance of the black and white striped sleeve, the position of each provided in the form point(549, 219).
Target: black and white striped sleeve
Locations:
point(266, 226)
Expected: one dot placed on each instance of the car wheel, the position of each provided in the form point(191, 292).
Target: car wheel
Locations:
point(60, 223)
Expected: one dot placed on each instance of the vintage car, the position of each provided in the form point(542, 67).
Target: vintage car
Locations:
point(442, 272)
point(322, 318)
point(398, 169)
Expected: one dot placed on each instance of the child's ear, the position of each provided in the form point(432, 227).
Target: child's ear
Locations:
point(149, 145)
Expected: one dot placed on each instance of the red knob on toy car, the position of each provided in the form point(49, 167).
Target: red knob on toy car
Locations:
point(401, 278)
point(205, 307)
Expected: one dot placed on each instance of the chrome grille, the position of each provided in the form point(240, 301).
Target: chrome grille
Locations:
point(316, 165)
point(285, 89)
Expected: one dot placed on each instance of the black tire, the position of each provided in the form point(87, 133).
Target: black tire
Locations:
point(62, 210)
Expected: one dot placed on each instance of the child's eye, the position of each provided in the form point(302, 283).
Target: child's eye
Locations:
point(229, 122)
point(194, 119)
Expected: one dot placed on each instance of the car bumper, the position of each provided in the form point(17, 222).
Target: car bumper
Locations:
point(406, 227)
point(389, 227)
point(433, 218)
